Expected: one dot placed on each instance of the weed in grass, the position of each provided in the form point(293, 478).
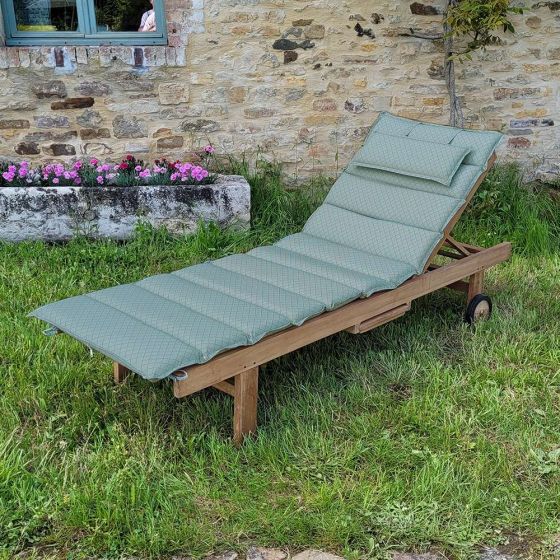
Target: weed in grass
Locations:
point(421, 434)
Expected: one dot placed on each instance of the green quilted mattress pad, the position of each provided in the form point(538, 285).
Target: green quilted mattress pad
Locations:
point(377, 227)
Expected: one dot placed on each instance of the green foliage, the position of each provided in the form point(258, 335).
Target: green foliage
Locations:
point(480, 21)
point(506, 208)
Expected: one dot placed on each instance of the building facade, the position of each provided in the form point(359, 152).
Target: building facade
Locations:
point(300, 81)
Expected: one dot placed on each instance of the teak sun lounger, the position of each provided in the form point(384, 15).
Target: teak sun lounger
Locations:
point(362, 257)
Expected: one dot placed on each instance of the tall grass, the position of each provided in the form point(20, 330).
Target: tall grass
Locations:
point(507, 208)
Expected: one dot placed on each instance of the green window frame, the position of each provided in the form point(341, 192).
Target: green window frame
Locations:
point(86, 33)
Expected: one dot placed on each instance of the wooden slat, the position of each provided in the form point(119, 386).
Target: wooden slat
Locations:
point(241, 359)
point(120, 373)
point(225, 387)
point(449, 254)
point(457, 245)
point(245, 404)
point(380, 319)
point(451, 224)
point(459, 286)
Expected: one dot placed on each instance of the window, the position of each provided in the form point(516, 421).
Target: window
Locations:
point(84, 22)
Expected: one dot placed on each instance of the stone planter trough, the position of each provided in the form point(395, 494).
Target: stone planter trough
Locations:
point(60, 213)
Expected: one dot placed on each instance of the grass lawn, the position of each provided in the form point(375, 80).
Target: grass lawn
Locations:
point(423, 434)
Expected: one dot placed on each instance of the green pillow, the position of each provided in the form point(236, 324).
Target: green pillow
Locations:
point(415, 158)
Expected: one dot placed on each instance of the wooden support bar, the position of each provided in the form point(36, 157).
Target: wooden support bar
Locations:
point(459, 286)
point(245, 404)
point(120, 373)
point(449, 254)
point(245, 358)
point(380, 319)
point(451, 224)
point(457, 245)
point(225, 387)
point(472, 248)
point(476, 282)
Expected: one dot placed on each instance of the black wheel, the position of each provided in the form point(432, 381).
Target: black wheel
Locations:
point(478, 309)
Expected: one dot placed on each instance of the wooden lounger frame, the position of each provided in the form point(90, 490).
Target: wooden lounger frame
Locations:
point(236, 371)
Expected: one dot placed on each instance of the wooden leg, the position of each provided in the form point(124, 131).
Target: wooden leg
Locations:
point(476, 282)
point(120, 373)
point(245, 404)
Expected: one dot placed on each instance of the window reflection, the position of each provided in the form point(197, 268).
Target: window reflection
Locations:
point(125, 15)
point(46, 15)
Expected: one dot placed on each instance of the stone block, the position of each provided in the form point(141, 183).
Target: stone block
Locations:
point(59, 150)
point(93, 133)
point(173, 93)
point(93, 88)
point(13, 124)
point(52, 88)
point(72, 103)
point(27, 149)
point(46, 121)
point(170, 143)
point(129, 127)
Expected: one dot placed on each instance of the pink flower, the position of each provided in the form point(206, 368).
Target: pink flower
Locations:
point(55, 181)
point(8, 176)
point(199, 173)
point(209, 149)
point(174, 176)
point(100, 179)
point(77, 165)
point(66, 175)
point(137, 168)
point(185, 167)
point(24, 164)
point(94, 162)
point(77, 181)
point(22, 172)
point(11, 168)
point(144, 174)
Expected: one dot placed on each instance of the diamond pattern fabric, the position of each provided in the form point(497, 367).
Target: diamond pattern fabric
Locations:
point(425, 160)
point(375, 230)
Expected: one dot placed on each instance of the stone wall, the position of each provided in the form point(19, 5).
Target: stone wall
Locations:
point(300, 81)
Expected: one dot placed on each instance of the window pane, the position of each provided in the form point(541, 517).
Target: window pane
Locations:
point(46, 15)
point(125, 15)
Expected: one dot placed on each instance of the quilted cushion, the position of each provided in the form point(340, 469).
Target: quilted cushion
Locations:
point(376, 229)
point(405, 156)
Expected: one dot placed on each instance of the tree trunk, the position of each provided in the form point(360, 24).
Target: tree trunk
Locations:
point(455, 110)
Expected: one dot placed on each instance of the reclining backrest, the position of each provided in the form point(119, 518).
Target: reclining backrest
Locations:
point(402, 188)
